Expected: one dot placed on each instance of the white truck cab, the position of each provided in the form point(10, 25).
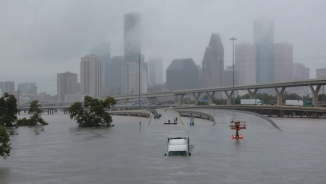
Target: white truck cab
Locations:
point(178, 144)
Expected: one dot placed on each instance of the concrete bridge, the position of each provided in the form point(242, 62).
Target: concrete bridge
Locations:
point(279, 88)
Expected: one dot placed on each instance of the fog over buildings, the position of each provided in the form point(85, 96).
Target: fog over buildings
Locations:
point(40, 39)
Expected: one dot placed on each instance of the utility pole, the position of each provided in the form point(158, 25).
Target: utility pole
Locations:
point(233, 72)
point(139, 82)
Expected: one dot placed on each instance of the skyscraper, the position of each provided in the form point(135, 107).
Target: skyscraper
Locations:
point(245, 64)
point(182, 74)
point(66, 85)
point(155, 71)
point(132, 37)
point(103, 52)
point(213, 63)
point(130, 79)
point(29, 89)
point(7, 87)
point(283, 62)
point(115, 75)
point(300, 72)
point(264, 45)
point(321, 73)
point(90, 76)
point(132, 55)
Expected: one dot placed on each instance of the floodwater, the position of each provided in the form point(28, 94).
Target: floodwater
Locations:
point(127, 153)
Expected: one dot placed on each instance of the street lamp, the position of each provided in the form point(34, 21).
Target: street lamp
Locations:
point(233, 72)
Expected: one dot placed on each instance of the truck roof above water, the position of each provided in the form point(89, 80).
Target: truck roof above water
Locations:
point(179, 134)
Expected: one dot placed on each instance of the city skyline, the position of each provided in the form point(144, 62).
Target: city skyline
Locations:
point(164, 33)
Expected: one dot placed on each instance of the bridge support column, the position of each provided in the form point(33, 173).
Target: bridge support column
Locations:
point(229, 97)
point(210, 97)
point(314, 94)
point(179, 99)
point(280, 113)
point(252, 94)
point(196, 97)
point(279, 95)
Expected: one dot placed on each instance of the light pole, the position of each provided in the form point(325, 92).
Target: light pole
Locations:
point(139, 83)
point(233, 72)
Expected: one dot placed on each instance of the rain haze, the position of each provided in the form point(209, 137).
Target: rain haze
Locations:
point(42, 38)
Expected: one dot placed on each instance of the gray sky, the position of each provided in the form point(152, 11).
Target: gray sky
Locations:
point(40, 38)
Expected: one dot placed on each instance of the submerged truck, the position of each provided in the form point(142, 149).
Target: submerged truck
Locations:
point(251, 102)
point(178, 144)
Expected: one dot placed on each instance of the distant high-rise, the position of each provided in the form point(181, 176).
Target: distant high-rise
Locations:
point(66, 85)
point(245, 64)
point(155, 71)
point(283, 62)
point(182, 74)
point(300, 72)
point(7, 87)
point(321, 73)
point(264, 44)
point(115, 75)
point(130, 79)
point(103, 52)
point(199, 69)
point(213, 63)
point(28, 89)
point(90, 76)
point(132, 37)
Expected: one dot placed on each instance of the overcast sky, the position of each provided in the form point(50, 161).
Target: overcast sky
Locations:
point(40, 38)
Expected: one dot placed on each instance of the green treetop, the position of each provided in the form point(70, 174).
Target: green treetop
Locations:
point(4, 143)
point(8, 110)
point(92, 113)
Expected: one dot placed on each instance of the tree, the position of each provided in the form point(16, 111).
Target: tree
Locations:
point(36, 117)
point(8, 110)
point(4, 143)
point(92, 113)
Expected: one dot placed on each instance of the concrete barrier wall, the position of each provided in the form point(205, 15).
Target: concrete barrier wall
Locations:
point(195, 114)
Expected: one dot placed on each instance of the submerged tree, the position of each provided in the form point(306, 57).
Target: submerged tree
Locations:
point(92, 113)
point(8, 110)
point(4, 143)
point(36, 117)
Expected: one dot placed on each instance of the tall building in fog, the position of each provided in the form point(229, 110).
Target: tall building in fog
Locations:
point(155, 71)
point(245, 64)
point(300, 72)
point(182, 74)
point(103, 52)
point(90, 76)
point(66, 85)
point(132, 57)
point(7, 87)
point(130, 79)
point(283, 62)
point(132, 37)
point(28, 89)
point(321, 73)
point(213, 63)
point(264, 45)
point(199, 69)
point(115, 75)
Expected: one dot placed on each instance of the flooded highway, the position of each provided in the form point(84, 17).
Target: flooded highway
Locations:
point(127, 153)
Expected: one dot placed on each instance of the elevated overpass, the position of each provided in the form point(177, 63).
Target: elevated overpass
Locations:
point(279, 88)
